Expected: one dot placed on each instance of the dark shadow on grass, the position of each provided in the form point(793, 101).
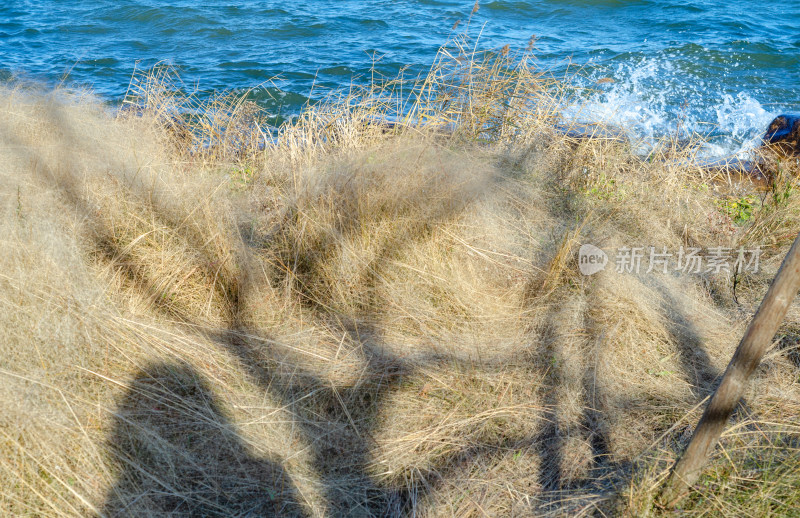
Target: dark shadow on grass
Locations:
point(566, 491)
point(696, 363)
point(179, 455)
point(337, 422)
point(604, 473)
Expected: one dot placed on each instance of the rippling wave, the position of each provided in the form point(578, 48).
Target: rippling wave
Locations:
point(718, 68)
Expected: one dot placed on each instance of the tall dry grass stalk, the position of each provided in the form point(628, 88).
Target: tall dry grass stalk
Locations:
point(377, 313)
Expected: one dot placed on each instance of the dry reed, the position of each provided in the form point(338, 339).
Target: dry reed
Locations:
point(378, 312)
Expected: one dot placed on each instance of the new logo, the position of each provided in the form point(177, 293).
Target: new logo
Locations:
point(591, 259)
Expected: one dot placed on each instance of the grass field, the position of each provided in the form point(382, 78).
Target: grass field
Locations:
point(370, 319)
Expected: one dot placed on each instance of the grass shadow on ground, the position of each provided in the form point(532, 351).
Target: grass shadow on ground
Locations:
point(181, 456)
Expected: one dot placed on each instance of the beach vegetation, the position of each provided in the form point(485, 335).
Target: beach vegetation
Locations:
point(375, 309)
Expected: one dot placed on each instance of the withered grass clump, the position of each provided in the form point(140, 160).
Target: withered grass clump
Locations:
point(377, 312)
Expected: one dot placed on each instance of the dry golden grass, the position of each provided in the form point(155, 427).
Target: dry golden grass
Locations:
point(369, 319)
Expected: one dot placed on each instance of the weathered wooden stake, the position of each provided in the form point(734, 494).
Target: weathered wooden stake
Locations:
point(748, 355)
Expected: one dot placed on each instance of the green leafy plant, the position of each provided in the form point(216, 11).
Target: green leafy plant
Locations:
point(740, 210)
point(781, 194)
point(604, 189)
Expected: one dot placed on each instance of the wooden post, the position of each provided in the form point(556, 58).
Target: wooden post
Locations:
point(748, 355)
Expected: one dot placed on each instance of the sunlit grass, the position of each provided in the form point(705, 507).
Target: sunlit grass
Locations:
point(375, 309)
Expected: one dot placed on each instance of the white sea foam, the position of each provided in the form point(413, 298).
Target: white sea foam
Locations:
point(652, 98)
point(742, 121)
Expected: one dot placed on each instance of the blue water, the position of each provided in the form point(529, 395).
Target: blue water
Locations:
point(718, 67)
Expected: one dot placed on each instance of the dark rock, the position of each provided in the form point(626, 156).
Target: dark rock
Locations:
point(783, 135)
point(781, 140)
